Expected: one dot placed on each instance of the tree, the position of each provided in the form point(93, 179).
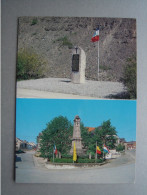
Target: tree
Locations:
point(89, 140)
point(58, 132)
point(129, 77)
point(107, 134)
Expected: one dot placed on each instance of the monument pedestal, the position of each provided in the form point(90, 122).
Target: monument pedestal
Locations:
point(78, 65)
point(77, 137)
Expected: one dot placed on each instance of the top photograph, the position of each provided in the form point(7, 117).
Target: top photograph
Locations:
point(76, 58)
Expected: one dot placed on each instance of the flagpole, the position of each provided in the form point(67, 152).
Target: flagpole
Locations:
point(96, 152)
point(53, 155)
point(98, 58)
point(103, 151)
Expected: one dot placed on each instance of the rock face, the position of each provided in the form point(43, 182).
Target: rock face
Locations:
point(53, 38)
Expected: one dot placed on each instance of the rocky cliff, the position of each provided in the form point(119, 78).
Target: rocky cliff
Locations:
point(54, 37)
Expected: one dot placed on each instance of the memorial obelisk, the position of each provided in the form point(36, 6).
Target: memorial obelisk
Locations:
point(77, 137)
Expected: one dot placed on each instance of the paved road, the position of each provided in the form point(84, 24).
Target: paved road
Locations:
point(27, 172)
point(96, 89)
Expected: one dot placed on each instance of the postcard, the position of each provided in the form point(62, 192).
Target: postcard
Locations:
point(76, 100)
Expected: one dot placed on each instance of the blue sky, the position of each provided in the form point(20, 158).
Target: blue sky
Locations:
point(32, 115)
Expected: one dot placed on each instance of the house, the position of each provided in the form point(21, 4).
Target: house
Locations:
point(18, 144)
point(90, 129)
point(130, 145)
point(24, 145)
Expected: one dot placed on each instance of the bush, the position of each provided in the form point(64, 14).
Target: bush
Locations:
point(29, 65)
point(129, 77)
point(120, 147)
point(62, 160)
point(65, 42)
point(89, 160)
point(79, 160)
point(66, 156)
point(34, 21)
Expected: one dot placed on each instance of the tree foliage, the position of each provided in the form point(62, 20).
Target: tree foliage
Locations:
point(58, 132)
point(129, 77)
point(105, 134)
point(29, 65)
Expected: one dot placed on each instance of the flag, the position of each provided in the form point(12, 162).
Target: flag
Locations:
point(74, 153)
point(98, 151)
point(55, 149)
point(105, 149)
point(95, 36)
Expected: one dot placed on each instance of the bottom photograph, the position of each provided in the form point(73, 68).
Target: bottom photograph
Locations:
point(75, 141)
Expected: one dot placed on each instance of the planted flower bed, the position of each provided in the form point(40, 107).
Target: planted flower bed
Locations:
point(79, 160)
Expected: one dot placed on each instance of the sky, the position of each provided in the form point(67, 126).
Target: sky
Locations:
point(32, 115)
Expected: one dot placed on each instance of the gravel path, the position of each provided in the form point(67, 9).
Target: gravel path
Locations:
point(98, 89)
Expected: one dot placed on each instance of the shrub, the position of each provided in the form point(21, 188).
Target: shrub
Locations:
point(34, 21)
point(65, 42)
point(129, 77)
point(89, 160)
point(66, 156)
point(62, 160)
point(79, 160)
point(29, 65)
point(120, 147)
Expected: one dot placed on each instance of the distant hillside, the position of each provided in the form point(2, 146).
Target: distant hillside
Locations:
point(53, 38)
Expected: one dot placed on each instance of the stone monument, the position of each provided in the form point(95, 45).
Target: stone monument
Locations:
point(78, 65)
point(77, 137)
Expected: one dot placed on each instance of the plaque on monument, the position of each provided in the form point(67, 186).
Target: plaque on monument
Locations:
point(75, 62)
point(78, 65)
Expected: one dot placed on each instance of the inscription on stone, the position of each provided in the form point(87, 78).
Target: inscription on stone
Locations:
point(75, 62)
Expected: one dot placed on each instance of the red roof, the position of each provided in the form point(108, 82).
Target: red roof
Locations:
point(90, 128)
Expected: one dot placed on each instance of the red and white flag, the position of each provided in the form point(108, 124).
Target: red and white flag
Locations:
point(95, 36)
point(55, 149)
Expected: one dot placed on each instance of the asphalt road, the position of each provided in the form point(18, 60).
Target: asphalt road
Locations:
point(118, 171)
